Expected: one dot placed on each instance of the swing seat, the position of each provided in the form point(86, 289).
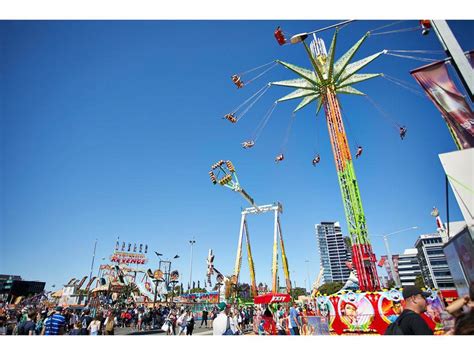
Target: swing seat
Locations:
point(237, 81)
point(231, 118)
point(248, 144)
point(425, 27)
point(279, 36)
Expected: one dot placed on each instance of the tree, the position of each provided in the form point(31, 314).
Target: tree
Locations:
point(298, 291)
point(419, 282)
point(197, 290)
point(390, 284)
point(330, 287)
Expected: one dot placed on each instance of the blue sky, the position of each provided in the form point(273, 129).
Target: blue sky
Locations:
point(109, 128)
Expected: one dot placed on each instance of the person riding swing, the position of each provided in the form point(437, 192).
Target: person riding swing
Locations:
point(359, 152)
point(248, 144)
point(279, 158)
point(237, 81)
point(316, 160)
point(231, 117)
point(403, 132)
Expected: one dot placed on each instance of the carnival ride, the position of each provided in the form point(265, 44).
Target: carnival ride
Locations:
point(327, 79)
point(115, 278)
point(223, 172)
point(317, 283)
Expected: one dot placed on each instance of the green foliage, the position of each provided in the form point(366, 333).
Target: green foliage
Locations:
point(419, 282)
point(197, 290)
point(298, 291)
point(330, 287)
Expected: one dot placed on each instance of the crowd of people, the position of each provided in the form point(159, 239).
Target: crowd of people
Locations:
point(222, 318)
point(262, 319)
point(45, 320)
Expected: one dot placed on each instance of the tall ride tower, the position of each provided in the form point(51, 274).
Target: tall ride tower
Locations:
point(327, 79)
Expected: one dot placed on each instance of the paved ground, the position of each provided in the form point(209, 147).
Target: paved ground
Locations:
point(128, 331)
point(197, 331)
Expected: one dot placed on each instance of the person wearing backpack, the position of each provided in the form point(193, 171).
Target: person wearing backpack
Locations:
point(86, 320)
point(410, 321)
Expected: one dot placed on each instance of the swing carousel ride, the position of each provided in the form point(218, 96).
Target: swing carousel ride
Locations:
point(322, 84)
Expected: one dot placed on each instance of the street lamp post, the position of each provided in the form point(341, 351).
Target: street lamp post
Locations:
point(389, 254)
point(191, 242)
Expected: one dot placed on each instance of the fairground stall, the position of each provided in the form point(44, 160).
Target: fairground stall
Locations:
point(356, 312)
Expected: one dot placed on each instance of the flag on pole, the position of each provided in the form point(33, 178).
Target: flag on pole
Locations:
point(442, 91)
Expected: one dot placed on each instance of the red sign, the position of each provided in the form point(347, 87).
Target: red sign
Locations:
point(272, 298)
point(435, 80)
point(128, 258)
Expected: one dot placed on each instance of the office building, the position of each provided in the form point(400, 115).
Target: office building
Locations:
point(333, 252)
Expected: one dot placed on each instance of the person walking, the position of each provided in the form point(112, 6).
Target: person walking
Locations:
point(204, 317)
point(86, 320)
point(55, 323)
point(109, 324)
point(182, 322)
point(190, 323)
point(295, 322)
point(410, 321)
point(221, 324)
point(94, 326)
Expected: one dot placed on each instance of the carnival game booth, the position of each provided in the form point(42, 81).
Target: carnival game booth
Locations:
point(362, 313)
point(198, 302)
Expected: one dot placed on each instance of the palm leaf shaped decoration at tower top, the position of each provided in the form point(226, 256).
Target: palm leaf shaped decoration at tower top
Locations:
point(327, 73)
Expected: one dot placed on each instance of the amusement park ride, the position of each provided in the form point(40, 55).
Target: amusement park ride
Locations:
point(223, 173)
point(323, 83)
point(328, 78)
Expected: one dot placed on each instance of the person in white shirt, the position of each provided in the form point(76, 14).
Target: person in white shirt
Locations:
point(94, 326)
point(233, 322)
point(182, 323)
point(221, 324)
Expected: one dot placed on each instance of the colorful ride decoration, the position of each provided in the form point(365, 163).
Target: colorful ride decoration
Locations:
point(314, 325)
point(270, 298)
point(372, 312)
point(205, 297)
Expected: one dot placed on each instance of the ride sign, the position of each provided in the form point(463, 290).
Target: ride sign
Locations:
point(128, 258)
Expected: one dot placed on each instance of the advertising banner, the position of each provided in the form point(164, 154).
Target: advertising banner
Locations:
point(436, 82)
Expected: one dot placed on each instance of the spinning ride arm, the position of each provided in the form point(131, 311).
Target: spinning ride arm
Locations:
point(223, 173)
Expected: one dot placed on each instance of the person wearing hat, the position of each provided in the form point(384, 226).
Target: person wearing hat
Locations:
point(410, 321)
point(55, 323)
point(221, 325)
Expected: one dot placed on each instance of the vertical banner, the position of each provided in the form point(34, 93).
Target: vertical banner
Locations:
point(436, 82)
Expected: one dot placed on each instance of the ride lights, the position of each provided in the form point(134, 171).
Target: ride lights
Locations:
point(225, 180)
point(213, 177)
point(300, 37)
point(230, 166)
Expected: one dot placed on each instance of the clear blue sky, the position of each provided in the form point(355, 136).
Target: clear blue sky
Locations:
point(109, 129)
